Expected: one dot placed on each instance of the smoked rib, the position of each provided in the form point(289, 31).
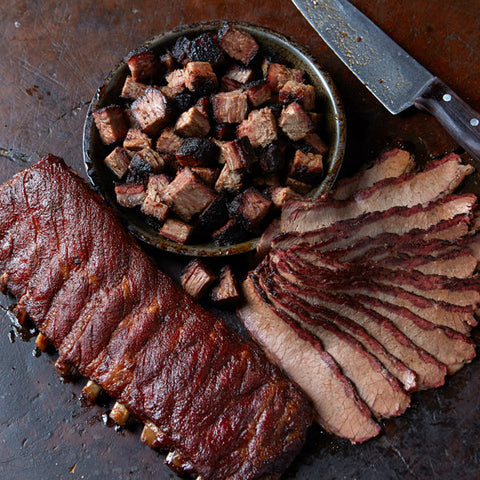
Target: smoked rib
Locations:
point(117, 319)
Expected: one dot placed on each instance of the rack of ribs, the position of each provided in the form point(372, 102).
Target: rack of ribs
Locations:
point(207, 395)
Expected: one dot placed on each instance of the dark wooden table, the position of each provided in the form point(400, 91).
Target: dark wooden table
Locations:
point(52, 57)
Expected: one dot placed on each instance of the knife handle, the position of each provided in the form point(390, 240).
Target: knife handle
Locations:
point(460, 120)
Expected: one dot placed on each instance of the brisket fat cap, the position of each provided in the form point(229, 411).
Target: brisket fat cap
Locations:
point(166, 359)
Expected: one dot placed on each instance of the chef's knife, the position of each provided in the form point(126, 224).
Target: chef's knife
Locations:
point(391, 74)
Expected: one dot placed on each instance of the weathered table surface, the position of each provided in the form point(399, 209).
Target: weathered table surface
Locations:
point(52, 57)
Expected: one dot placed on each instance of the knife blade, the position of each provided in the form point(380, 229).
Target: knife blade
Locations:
point(396, 79)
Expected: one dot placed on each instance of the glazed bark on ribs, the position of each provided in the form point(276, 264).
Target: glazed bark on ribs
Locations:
point(115, 317)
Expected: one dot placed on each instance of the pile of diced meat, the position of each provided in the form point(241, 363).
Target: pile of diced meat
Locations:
point(370, 292)
point(210, 138)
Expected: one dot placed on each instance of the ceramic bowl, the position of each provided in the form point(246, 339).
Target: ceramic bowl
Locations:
point(94, 151)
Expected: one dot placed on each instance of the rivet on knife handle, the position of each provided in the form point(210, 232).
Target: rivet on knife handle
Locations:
point(460, 120)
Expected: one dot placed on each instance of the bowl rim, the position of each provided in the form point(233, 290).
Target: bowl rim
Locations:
point(336, 144)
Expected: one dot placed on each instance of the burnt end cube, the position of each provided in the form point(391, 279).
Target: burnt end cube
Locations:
point(226, 292)
point(132, 89)
point(230, 107)
point(168, 141)
point(298, 92)
point(117, 161)
point(230, 181)
point(230, 233)
point(196, 152)
point(139, 170)
point(241, 75)
point(152, 203)
point(176, 81)
point(193, 123)
point(250, 207)
point(277, 75)
point(238, 44)
point(153, 158)
point(280, 195)
point(316, 143)
point(260, 127)
point(136, 140)
point(208, 175)
point(205, 48)
point(200, 78)
point(111, 123)
point(176, 230)
point(295, 122)
point(316, 118)
point(167, 63)
point(181, 102)
point(142, 65)
point(213, 217)
point(150, 111)
point(272, 158)
point(229, 85)
point(197, 278)
point(187, 195)
point(239, 154)
point(307, 167)
point(130, 195)
point(225, 131)
point(258, 92)
point(301, 188)
point(180, 50)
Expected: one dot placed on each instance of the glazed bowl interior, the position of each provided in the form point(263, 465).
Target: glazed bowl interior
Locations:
point(94, 151)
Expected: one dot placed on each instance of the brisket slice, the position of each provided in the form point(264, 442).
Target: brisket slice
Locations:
point(448, 346)
point(438, 179)
point(339, 410)
point(397, 220)
point(429, 371)
point(391, 164)
point(120, 321)
point(376, 386)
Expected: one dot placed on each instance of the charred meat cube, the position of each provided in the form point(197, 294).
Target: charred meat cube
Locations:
point(168, 141)
point(280, 195)
point(238, 44)
point(208, 175)
point(277, 75)
point(181, 102)
point(139, 170)
point(142, 65)
point(197, 278)
point(258, 92)
point(316, 118)
point(250, 207)
point(187, 195)
point(180, 50)
point(213, 217)
point(230, 233)
point(307, 167)
point(152, 203)
point(297, 186)
point(132, 89)
point(272, 158)
point(150, 111)
point(260, 127)
point(111, 123)
point(229, 85)
point(226, 292)
point(136, 140)
point(130, 195)
point(238, 74)
point(230, 107)
point(117, 161)
point(293, 91)
point(316, 143)
point(200, 78)
point(167, 62)
point(153, 158)
point(195, 152)
point(295, 122)
point(205, 48)
point(238, 154)
point(176, 230)
point(230, 180)
point(193, 123)
point(176, 81)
